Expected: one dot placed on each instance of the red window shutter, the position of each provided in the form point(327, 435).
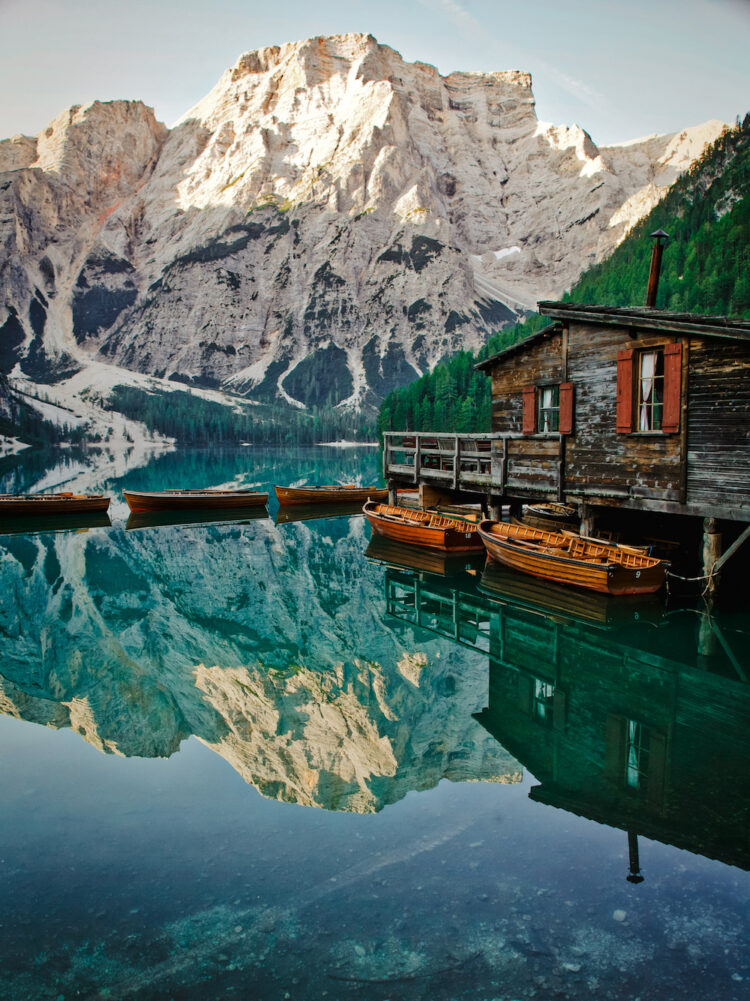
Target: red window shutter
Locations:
point(566, 407)
point(529, 410)
point(625, 391)
point(672, 385)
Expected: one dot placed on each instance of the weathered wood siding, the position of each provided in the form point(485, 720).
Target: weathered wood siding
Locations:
point(599, 462)
point(599, 459)
point(718, 427)
point(539, 365)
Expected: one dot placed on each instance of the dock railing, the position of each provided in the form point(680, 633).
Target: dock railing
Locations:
point(479, 463)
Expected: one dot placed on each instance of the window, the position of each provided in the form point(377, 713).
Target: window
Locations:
point(650, 390)
point(544, 695)
point(548, 409)
point(548, 413)
point(636, 755)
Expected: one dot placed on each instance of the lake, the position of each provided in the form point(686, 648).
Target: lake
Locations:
point(259, 760)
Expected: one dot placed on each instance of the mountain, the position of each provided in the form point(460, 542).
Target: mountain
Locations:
point(326, 224)
point(705, 269)
point(271, 644)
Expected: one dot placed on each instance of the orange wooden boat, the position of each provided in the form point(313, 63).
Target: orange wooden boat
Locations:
point(337, 493)
point(310, 512)
point(423, 528)
point(570, 559)
point(184, 500)
point(65, 503)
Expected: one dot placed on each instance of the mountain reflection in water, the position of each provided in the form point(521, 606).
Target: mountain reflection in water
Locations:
point(264, 642)
point(338, 671)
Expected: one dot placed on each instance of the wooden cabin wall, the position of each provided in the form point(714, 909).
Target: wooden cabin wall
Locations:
point(532, 464)
point(599, 462)
point(538, 365)
point(598, 458)
point(609, 675)
point(718, 432)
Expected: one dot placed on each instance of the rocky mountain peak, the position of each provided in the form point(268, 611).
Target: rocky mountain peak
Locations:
point(327, 223)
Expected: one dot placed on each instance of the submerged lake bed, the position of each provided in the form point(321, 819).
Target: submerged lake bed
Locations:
point(275, 760)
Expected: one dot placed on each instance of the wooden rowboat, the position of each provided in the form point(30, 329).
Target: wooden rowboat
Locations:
point(311, 512)
point(46, 524)
point(194, 516)
point(550, 517)
point(181, 500)
point(557, 601)
point(422, 528)
point(570, 559)
point(338, 493)
point(419, 559)
point(65, 503)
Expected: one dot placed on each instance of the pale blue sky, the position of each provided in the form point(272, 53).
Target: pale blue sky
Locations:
point(619, 69)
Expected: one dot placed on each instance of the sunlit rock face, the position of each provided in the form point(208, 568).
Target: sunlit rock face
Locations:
point(267, 643)
point(327, 223)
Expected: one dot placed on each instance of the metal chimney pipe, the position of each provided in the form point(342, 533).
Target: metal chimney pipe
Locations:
point(635, 862)
point(653, 276)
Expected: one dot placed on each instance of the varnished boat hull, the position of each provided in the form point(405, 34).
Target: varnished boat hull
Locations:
point(187, 501)
point(195, 516)
point(551, 598)
point(605, 577)
point(329, 495)
point(45, 504)
point(311, 512)
point(381, 549)
point(449, 540)
point(41, 524)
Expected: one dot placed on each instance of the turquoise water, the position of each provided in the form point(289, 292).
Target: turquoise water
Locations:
point(268, 761)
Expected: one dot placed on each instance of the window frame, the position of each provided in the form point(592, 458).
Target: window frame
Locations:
point(562, 409)
point(654, 405)
point(670, 381)
point(552, 410)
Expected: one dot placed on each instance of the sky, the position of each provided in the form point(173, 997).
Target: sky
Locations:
point(619, 69)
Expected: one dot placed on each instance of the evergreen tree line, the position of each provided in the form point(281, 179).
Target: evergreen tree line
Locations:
point(194, 420)
point(706, 263)
point(18, 419)
point(705, 269)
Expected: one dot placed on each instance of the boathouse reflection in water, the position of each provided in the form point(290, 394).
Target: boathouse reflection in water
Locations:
point(625, 712)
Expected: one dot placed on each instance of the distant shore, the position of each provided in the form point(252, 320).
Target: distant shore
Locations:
point(348, 444)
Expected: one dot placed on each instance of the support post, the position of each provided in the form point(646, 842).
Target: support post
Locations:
point(561, 468)
point(495, 507)
point(392, 492)
point(588, 521)
point(516, 509)
point(706, 641)
point(634, 876)
point(711, 554)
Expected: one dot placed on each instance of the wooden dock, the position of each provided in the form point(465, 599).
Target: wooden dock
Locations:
point(498, 465)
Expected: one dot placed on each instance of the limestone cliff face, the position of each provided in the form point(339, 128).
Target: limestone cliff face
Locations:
point(267, 643)
point(327, 223)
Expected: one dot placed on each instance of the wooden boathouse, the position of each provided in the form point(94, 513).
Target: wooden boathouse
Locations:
point(612, 409)
point(619, 714)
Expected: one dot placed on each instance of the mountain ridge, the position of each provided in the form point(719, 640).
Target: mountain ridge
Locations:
point(326, 224)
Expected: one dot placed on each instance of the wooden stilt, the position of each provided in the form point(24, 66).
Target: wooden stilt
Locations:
point(495, 507)
point(587, 520)
point(711, 554)
point(706, 641)
point(392, 492)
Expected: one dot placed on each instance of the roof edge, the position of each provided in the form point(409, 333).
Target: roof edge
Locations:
point(710, 326)
point(548, 331)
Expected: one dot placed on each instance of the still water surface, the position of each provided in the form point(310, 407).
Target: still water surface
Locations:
point(263, 760)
